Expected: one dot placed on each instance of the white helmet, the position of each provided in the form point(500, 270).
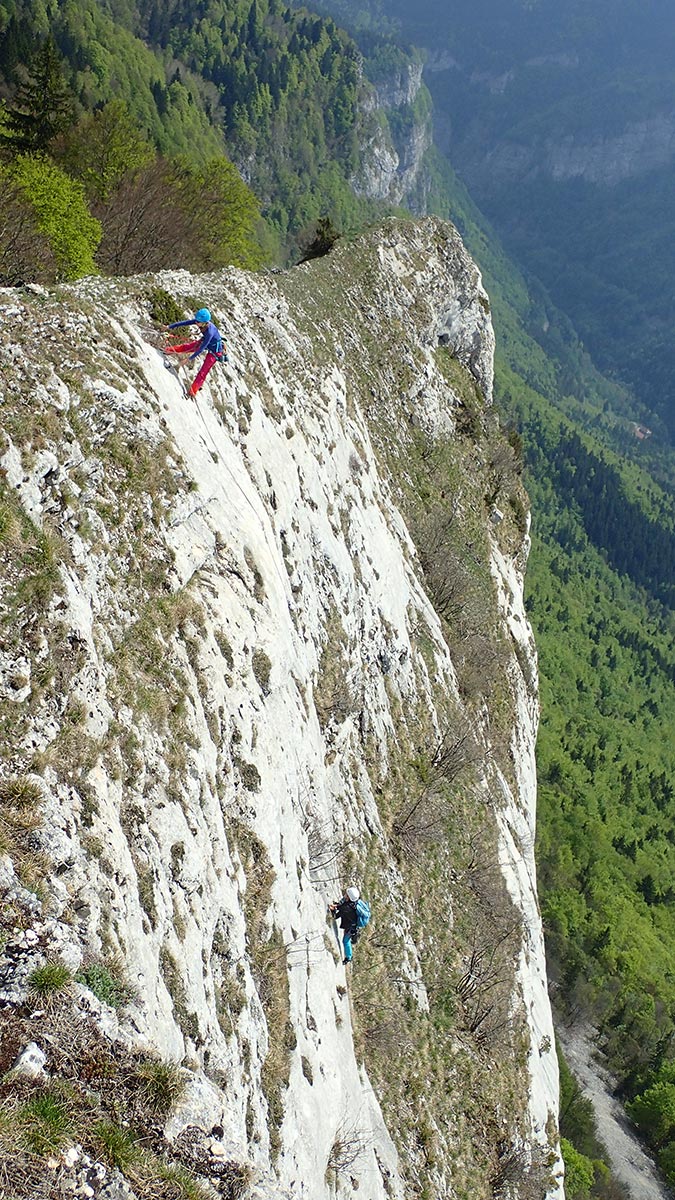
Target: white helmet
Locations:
point(352, 894)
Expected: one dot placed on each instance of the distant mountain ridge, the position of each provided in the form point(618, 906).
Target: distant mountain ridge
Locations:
point(559, 119)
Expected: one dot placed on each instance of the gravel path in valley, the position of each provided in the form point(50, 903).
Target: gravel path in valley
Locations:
point(630, 1165)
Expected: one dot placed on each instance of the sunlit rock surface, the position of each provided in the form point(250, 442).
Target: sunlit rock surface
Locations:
point(226, 633)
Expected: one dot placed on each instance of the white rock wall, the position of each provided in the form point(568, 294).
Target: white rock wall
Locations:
point(517, 829)
point(281, 518)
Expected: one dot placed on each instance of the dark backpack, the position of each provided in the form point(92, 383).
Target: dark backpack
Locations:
point(362, 913)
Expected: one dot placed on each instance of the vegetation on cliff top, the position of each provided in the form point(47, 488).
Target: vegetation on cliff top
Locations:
point(280, 92)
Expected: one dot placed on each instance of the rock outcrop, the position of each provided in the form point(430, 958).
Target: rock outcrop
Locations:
point(396, 136)
point(641, 147)
point(254, 648)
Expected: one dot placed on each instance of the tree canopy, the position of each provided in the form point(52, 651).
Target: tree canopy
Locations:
point(59, 211)
point(93, 193)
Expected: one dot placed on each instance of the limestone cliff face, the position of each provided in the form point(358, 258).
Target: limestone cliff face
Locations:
point(642, 146)
point(400, 86)
point(395, 139)
point(254, 648)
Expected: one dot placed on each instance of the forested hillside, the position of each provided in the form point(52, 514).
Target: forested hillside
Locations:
point(606, 763)
point(600, 597)
point(600, 590)
point(86, 190)
point(290, 91)
point(102, 59)
point(280, 93)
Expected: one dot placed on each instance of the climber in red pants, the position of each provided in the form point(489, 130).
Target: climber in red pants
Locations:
point(210, 341)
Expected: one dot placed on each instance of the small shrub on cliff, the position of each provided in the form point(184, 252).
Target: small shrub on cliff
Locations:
point(349, 1144)
point(163, 308)
point(162, 1085)
point(20, 792)
point(115, 1146)
point(41, 576)
point(469, 414)
point(106, 984)
point(450, 579)
point(518, 1174)
point(45, 1121)
point(262, 668)
point(504, 467)
point(20, 816)
point(49, 978)
point(423, 816)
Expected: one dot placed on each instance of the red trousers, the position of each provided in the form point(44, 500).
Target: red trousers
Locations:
point(203, 371)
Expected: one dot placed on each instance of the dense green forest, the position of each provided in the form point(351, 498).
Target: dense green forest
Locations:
point(290, 90)
point(279, 92)
point(617, 284)
point(82, 191)
point(606, 769)
point(599, 594)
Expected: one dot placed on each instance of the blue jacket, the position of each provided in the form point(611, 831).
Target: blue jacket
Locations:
point(211, 340)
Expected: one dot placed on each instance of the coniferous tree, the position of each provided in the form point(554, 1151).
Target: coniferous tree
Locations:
point(43, 106)
point(321, 241)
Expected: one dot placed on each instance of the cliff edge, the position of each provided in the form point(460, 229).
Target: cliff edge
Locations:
point(253, 648)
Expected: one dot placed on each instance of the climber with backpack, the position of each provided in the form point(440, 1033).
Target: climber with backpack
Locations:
point(210, 343)
point(353, 913)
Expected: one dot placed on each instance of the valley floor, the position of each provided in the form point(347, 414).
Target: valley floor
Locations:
point(628, 1161)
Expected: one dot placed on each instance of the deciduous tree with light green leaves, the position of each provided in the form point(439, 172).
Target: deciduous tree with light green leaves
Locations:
point(654, 1112)
point(61, 213)
point(579, 1172)
point(667, 1161)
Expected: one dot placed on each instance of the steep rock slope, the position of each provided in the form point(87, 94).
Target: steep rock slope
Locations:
point(254, 648)
point(394, 147)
